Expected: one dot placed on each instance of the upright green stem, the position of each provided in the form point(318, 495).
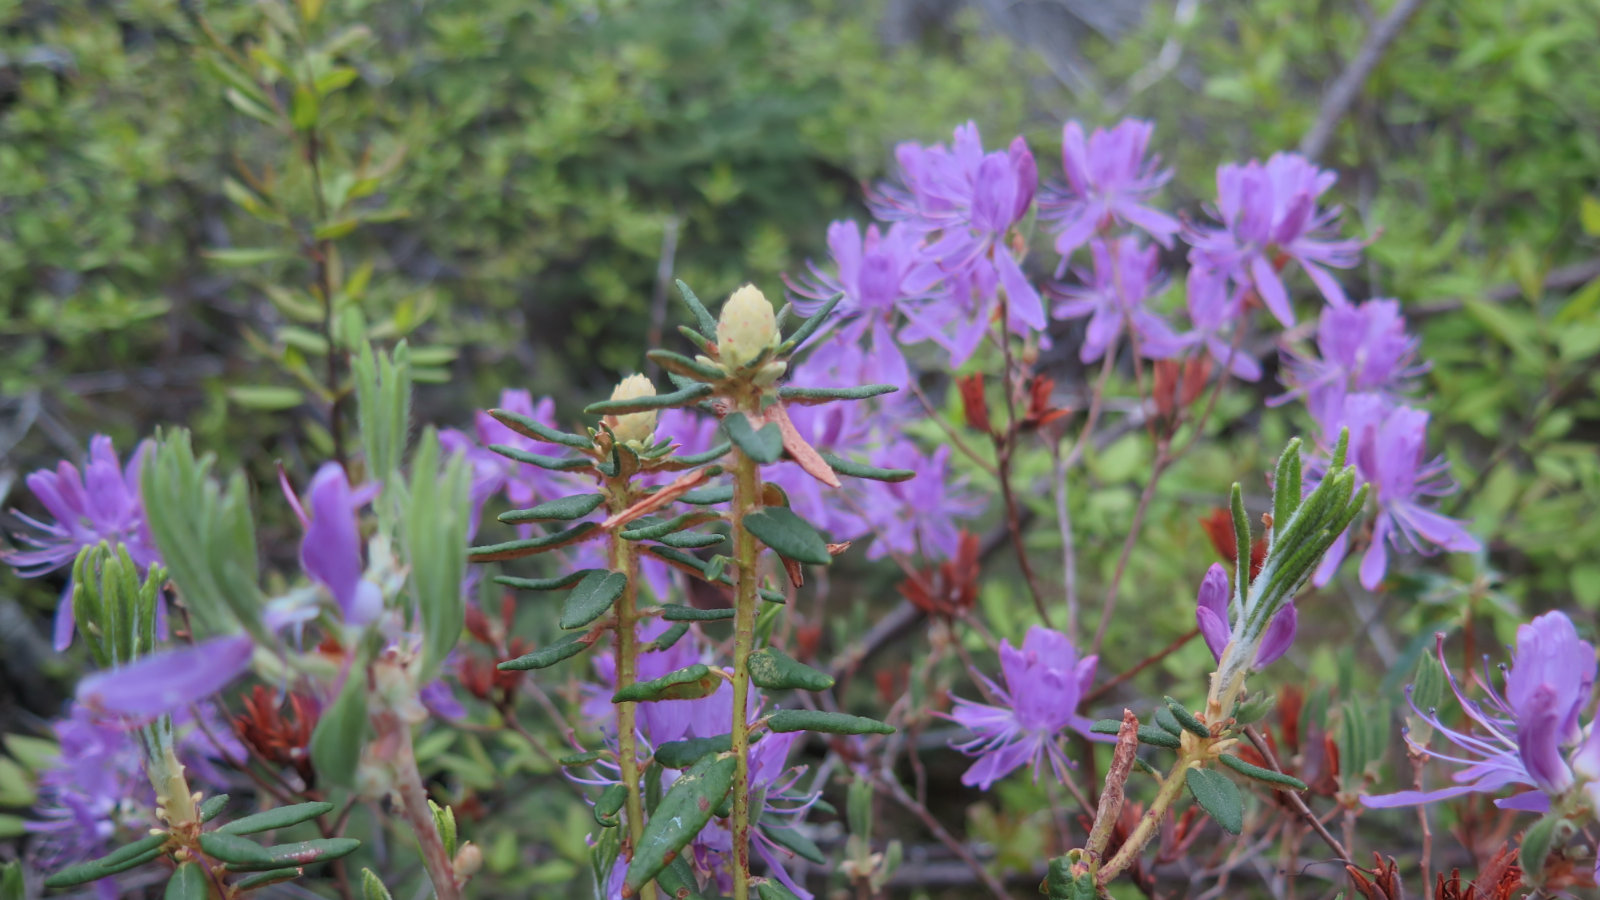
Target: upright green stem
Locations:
point(746, 499)
point(625, 559)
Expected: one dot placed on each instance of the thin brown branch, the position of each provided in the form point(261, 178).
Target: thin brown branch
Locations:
point(1336, 102)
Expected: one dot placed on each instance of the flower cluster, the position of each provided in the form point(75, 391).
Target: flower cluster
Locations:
point(1044, 681)
point(1531, 734)
point(101, 504)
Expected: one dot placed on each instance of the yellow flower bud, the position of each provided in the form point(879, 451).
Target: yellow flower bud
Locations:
point(747, 327)
point(632, 427)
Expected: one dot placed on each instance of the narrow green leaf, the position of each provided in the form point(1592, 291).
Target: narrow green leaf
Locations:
point(246, 256)
point(304, 109)
point(793, 840)
point(678, 880)
point(1242, 541)
point(271, 876)
point(543, 584)
point(341, 733)
point(282, 817)
point(212, 807)
point(774, 670)
point(609, 804)
point(702, 316)
point(786, 720)
point(591, 598)
point(1537, 842)
point(1218, 796)
point(551, 463)
point(83, 873)
point(708, 496)
point(1187, 719)
point(657, 529)
point(683, 365)
point(685, 753)
point(1277, 779)
point(855, 469)
point(372, 887)
point(1286, 488)
point(643, 404)
point(764, 445)
point(245, 855)
point(565, 509)
point(530, 428)
point(810, 325)
point(266, 397)
point(576, 760)
point(692, 540)
point(188, 882)
point(681, 815)
point(773, 890)
point(1148, 734)
point(1166, 722)
point(12, 886)
point(807, 396)
point(687, 683)
point(690, 460)
point(673, 612)
point(667, 638)
point(529, 546)
point(790, 536)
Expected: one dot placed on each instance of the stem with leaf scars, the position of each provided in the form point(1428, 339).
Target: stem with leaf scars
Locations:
point(746, 500)
point(625, 559)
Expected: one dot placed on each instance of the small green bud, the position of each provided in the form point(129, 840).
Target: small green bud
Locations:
point(747, 327)
point(631, 428)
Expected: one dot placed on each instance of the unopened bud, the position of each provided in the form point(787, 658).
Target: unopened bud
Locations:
point(747, 327)
point(469, 859)
point(633, 427)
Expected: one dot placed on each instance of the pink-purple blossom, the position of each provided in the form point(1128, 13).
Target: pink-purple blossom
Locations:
point(100, 504)
point(1525, 735)
point(1044, 681)
point(966, 201)
point(1388, 447)
point(1362, 348)
point(1110, 181)
point(1270, 217)
point(883, 278)
point(1113, 296)
point(1217, 312)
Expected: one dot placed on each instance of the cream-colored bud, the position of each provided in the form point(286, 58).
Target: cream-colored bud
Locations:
point(747, 327)
point(639, 426)
point(469, 859)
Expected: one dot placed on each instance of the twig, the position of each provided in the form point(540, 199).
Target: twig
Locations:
point(658, 301)
point(1294, 798)
point(1336, 102)
point(1143, 664)
point(1560, 278)
point(898, 793)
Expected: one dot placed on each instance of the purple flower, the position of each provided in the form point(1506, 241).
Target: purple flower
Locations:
point(1519, 735)
point(330, 552)
point(1043, 683)
point(102, 504)
point(1109, 180)
point(1211, 615)
point(1363, 349)
point(1216, 308)
point(918, 517)
point(167, 680)
point(1387, 446)
point(1269, 217)
point(97, 784)
point(1125, 275)
point(843, 429)
point(966, 201)
point(881, 278)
